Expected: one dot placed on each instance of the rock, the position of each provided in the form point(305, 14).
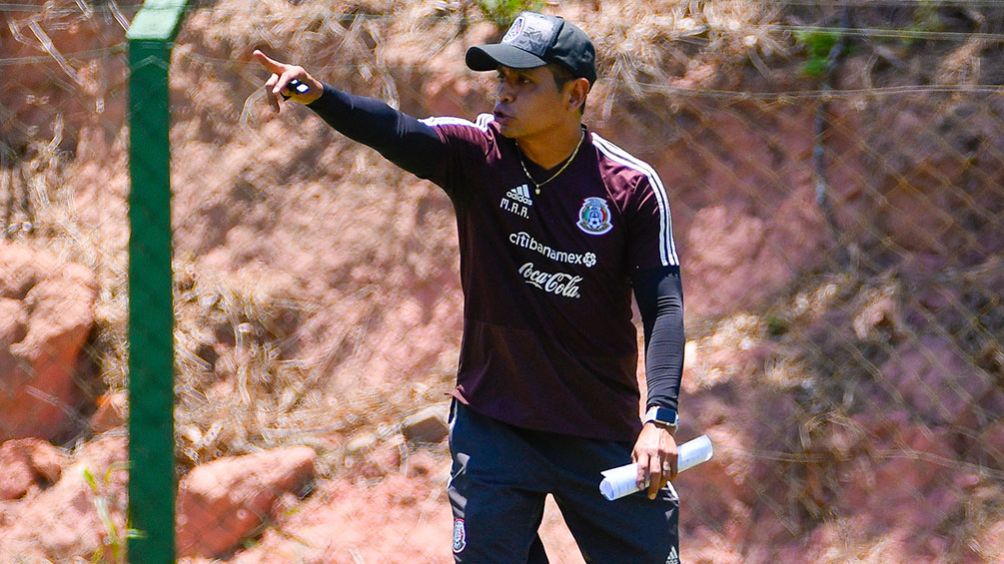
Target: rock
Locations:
point(992, 442)
point(935, 381)
point(27, 463)
point(423, 463)
point(350, 520)
point(724, 241)
point(727, 474)
point(225, 501)
point(61, 524)
point(443, 91)
point(991, 546)
point(734, 256)
point(426, 426)
point(903, 469)
point(383, 459)
point(361, 444)
point(111, 413)
point(13, 322)
point(46, 308)
point(879, 315)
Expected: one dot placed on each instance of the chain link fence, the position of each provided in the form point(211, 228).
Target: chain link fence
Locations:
point(63, 299)
point(836, 180)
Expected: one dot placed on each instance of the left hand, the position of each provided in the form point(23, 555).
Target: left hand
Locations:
point(656, 456)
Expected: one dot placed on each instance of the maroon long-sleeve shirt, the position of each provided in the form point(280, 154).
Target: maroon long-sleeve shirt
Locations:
point(548, 340)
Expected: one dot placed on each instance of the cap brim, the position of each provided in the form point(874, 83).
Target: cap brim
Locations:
point(490, 57)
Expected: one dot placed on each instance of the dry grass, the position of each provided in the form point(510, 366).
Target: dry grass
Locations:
point(652, 44)
point(241, 386)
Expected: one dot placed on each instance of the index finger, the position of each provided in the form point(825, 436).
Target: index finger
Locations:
point(271, 64)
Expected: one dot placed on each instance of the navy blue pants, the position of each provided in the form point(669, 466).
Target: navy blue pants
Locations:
point(501, 475)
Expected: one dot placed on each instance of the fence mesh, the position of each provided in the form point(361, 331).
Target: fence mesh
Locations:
point(836, 180)
point(63, 180)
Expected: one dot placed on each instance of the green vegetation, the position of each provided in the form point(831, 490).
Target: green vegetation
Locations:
point(817, 44)
point(114, 541)
point(925, 20)
point(777, 325)
point(503, 12)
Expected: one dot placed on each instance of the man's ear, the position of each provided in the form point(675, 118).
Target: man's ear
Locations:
point(578, 89)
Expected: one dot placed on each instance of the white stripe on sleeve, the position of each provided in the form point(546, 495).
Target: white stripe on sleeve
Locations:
point(667, 247)
point(482, 122)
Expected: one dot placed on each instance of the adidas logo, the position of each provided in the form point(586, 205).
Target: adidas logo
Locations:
point(521, 194)
point(674, 557)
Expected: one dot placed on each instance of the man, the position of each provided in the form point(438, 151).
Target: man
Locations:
point(556, 227)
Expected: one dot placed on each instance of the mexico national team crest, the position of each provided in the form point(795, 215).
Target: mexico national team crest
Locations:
point(594, 216)
point(459, 536)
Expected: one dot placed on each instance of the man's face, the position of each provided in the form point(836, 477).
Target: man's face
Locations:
point(527, 102)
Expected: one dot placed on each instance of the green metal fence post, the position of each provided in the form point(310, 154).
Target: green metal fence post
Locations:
point(151, 315)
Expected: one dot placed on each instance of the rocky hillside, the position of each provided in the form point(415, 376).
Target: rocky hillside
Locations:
point(844, 353)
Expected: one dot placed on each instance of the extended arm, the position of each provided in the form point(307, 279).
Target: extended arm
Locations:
point(400, 138)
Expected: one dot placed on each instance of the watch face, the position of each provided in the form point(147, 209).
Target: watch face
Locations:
point(667, 416)
point(663, 415)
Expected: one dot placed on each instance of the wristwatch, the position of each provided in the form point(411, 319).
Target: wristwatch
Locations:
point(663, 416)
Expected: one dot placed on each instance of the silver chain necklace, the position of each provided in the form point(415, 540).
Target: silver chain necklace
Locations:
point(537, 185)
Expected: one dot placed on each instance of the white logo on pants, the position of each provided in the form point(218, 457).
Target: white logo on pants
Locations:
point(459, 536)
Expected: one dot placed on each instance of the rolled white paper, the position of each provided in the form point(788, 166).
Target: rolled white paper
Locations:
point(619, 482)
point(694, 452)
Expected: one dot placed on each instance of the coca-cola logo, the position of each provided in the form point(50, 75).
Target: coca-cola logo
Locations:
point(557, 283)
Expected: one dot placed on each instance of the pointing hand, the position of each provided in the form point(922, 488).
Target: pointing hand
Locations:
point(278, 84)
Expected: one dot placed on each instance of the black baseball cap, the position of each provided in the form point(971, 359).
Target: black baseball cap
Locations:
point(534, 40)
